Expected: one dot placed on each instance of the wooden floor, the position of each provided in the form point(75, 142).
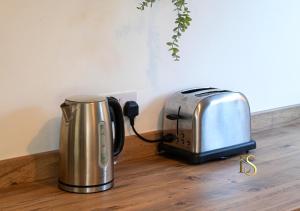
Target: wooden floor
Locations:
point(158, 183)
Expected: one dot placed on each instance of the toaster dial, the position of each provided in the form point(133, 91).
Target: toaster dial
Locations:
point(183, 140)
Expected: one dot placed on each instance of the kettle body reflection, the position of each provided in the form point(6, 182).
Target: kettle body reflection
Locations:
point(87, 147)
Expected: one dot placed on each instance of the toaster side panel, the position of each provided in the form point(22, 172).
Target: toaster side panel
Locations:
point(220, 121)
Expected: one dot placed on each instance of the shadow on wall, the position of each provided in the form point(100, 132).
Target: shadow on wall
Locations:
point(156, 107)
point(45, 164)
point(47, 137)
point(28, 131)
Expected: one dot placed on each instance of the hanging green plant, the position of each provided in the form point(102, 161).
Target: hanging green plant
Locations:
point(182, 22)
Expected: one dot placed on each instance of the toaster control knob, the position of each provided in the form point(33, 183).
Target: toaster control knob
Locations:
point(188, 143)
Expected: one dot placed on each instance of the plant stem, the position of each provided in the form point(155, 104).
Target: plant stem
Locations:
point(182, 22)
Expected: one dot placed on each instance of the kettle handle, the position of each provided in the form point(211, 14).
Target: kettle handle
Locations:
point(117, 118)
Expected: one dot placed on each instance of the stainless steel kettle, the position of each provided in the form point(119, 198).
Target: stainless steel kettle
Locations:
point(87, 147)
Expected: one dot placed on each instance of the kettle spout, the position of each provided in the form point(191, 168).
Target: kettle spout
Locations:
point(67, 111)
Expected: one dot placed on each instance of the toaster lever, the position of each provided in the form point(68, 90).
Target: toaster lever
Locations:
point(173, 116)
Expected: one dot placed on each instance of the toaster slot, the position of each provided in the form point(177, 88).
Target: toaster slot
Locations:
point(210, 93)
point(196, 90)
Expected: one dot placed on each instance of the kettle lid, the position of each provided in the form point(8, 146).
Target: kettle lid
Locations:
point(86, 98)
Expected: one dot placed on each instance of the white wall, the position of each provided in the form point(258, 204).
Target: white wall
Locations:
point(51, 49)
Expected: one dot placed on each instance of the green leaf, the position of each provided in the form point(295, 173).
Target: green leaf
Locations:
point(182, 22)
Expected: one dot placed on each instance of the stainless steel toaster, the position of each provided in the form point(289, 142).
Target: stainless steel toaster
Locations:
point(209, 123)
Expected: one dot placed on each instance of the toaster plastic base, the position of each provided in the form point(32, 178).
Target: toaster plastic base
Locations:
point(197, 158)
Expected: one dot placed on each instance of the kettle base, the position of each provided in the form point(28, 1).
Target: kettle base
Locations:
point(85, 189)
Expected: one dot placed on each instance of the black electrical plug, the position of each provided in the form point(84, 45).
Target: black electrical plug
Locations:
point(131, 110)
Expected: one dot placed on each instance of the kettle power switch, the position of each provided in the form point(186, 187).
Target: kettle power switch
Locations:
point(103, 153)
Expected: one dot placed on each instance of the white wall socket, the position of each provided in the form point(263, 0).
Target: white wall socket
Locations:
point(124, 97)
